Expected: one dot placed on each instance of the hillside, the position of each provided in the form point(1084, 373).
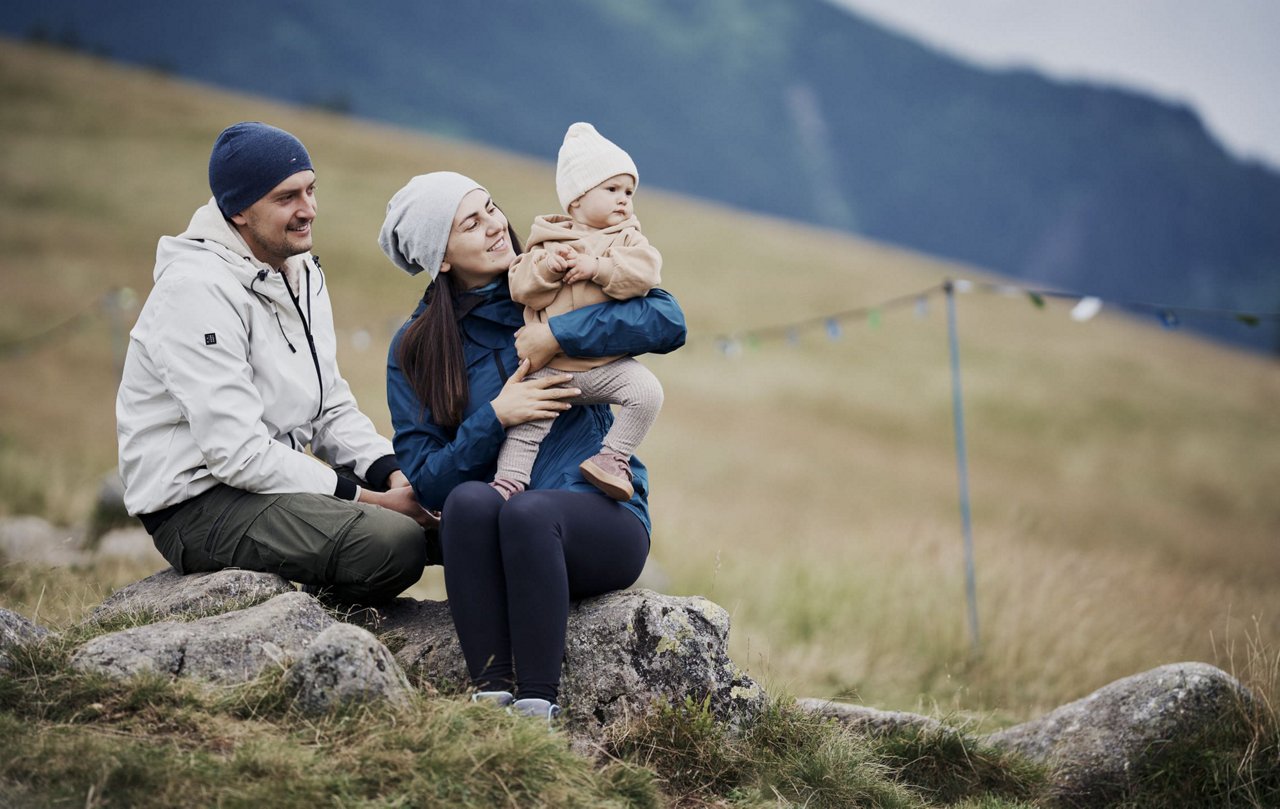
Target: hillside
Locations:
point(1122, 475)
point(799, 109)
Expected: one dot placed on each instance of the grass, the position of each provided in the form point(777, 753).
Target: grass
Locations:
point(1122, 475)
point(70, 738)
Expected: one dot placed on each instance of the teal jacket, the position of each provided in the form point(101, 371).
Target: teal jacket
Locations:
point(436, 459)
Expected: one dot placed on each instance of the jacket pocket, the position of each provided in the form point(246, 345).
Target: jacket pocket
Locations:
point(215, 546)
point(168, 541)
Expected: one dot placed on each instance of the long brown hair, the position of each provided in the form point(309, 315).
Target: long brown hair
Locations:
point(430, 352)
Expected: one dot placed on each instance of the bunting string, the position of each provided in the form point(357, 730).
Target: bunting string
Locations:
point(116, 303)
point(1085, 307)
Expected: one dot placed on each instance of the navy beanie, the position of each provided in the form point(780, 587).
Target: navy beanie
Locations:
point(248, 160)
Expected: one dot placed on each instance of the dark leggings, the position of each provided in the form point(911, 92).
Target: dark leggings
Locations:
point(511, 569)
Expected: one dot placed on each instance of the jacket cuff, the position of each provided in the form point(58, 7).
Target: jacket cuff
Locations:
point(606, 267)
point(346, 489)
point(380, 470)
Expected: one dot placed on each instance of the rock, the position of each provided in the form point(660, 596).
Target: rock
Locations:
point(627, 651)
point(872, 721)
point(421, 634)
point(108, 510)
point(15, 630)
point(128, 543)
point(170, 594)
point(1099, 748)
point(346, 665)
point(34, 540)
point(234, 647)
point(624, 652)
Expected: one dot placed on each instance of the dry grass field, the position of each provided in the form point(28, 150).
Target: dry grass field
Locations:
point(1123, 476)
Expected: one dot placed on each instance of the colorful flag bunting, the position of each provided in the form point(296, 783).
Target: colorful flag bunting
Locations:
point(1086, 309)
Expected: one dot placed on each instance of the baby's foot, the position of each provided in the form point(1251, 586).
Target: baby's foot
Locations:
point(610, 473)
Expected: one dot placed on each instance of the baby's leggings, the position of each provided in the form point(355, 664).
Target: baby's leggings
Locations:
point(623, 382)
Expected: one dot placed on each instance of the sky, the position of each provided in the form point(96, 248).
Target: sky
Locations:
point(1221, 58)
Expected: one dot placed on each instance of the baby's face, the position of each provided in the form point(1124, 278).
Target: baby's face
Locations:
point(605, 205)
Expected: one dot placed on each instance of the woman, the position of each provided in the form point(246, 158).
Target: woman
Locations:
point(455, 383)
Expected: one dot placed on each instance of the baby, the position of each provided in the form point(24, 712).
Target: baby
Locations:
point(594, 254)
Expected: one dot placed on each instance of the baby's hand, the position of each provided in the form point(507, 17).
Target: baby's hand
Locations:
point(552, 262)
point(557, 258)
point(582, 268)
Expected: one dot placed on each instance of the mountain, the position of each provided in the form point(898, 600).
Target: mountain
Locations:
point(796, 109)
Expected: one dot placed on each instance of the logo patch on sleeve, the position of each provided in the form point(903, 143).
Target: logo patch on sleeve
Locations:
point(210, 339)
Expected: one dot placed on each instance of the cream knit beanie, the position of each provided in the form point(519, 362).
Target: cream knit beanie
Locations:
point(587, 159)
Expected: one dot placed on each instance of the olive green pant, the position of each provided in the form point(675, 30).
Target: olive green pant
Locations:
point(360, 553)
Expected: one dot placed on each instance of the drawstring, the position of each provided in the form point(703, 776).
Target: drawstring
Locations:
point(262, 276)
point(316, 261)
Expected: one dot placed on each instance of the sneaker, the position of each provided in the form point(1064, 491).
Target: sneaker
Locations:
point(610, 473)
point(535, 709)
point(498, 699)
point(507, 487)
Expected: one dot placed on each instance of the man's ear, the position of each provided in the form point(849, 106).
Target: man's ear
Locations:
point(238, 219)
point(444, 266)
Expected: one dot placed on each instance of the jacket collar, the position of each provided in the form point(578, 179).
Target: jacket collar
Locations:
point(211, 231)
point(490, 302)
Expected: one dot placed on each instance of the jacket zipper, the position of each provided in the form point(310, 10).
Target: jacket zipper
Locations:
point(306, 329)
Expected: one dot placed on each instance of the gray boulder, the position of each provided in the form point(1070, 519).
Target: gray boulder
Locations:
point(234, 647)
point(872, 721)
point(624, 653)
point(109, 511)
point(627, 651)
point(422, 636)
point(1099, 748)
point(15, 630)
point(169, 594)
point(346, 665)
point(132, 543)
point(35, 540)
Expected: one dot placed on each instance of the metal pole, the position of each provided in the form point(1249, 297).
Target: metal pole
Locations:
point(962, 463)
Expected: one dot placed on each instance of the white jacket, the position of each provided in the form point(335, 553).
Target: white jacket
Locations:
point(222, 383)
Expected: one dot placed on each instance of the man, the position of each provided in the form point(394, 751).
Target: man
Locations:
point(231, 374)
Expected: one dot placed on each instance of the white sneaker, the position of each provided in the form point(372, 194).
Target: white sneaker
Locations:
point(499, 699)
point(536, 709)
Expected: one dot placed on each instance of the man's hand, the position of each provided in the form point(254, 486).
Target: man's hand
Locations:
point(401, 499)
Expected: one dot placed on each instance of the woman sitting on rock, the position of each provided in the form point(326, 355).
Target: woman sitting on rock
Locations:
point(455, 383)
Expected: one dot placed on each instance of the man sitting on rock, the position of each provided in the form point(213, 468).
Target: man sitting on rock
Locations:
point(231, 375)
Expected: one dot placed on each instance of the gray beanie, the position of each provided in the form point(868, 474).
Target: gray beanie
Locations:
point(419, 218)
point(248, 160)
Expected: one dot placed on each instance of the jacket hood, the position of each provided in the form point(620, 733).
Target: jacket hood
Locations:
point(210, 232)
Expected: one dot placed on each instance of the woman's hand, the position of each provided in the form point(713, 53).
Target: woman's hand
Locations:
point(522, 400)
point(536, 343)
